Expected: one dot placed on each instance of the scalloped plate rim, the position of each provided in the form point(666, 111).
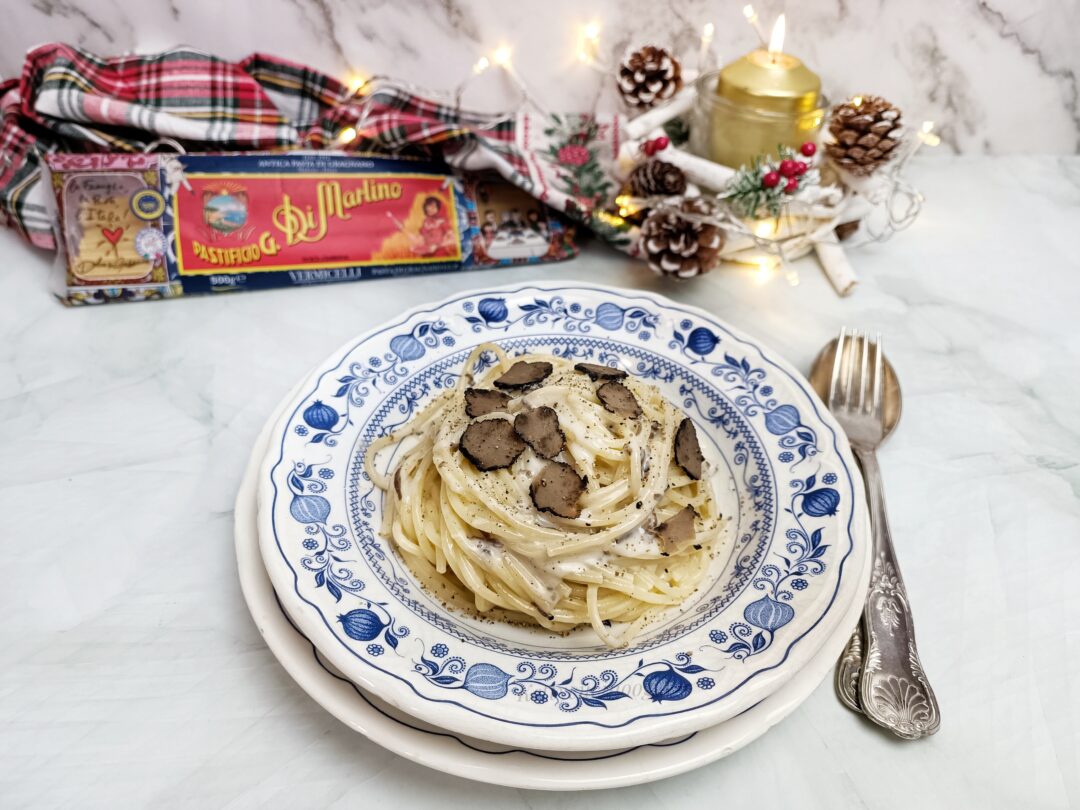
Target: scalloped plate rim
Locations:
point(553, 736)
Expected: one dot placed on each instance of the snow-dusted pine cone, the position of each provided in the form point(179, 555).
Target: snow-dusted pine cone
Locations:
point(648, 76)
point(864, 134)
point(677, 246)
point(655, 178)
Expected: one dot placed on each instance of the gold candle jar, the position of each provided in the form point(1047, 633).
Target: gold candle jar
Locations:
point(754, 104)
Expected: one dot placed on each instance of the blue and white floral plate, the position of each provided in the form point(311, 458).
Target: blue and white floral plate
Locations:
point(798, 528)
point(487, 762)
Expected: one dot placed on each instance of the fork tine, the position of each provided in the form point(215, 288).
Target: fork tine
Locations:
point(834, 381)
point(879, 377)
point(864, 378)
point(849, 375)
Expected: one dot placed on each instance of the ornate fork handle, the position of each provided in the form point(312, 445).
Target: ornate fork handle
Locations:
point(893, 690)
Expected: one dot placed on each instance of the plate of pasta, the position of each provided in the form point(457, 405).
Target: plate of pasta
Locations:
point(566, 517)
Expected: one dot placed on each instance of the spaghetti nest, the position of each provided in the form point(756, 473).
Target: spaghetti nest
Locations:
point(632, 546)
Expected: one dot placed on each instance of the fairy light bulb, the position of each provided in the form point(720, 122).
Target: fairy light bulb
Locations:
point(927, 135)
point(704, 51)
point(589, 49)
point(752, 18)
point(502, 55)
point(764, 270)
point(347, 135)
point(356, 82)
point(482, 64)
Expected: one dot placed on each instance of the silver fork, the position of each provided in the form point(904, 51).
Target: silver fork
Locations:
point(893, 689)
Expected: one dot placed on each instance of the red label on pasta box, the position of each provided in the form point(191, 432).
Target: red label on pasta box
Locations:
point(261, 222)
point(136, 227)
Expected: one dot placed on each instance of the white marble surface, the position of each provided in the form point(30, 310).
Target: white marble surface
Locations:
point(1001, 76)
point(131, 675)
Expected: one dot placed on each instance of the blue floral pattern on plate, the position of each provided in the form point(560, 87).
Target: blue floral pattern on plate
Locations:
point(792, 527)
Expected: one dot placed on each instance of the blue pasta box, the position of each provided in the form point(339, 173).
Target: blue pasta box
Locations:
point(138, 227)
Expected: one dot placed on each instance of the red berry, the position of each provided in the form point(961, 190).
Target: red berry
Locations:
point(800, 168)
point(770, 180)
point(791, 186)
point(649, 148)
point(787, 168)
point(808, 149)
point(662, 142)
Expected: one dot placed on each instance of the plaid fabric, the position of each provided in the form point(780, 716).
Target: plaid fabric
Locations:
point(70, 100)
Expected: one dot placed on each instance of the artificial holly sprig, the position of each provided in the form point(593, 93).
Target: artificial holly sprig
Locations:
point(769, 183)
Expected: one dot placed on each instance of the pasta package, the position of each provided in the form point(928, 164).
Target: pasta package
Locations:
point(138, 227)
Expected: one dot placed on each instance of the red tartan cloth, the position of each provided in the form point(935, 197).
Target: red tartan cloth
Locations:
point(70, 100)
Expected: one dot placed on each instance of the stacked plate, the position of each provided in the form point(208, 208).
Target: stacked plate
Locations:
point(523, 707)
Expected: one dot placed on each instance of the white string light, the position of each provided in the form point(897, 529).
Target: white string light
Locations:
point(896, 199)
point(356, 82)
point(589, 47)
point(752, 18)
point(704, 61)
point(502, 58)
point(927, 134)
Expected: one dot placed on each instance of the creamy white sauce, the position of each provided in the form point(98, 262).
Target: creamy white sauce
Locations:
point(637, 543)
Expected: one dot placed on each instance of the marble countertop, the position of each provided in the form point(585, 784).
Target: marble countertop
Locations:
point(132, 676)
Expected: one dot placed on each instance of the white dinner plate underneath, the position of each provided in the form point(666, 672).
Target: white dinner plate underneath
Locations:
point(486, 762)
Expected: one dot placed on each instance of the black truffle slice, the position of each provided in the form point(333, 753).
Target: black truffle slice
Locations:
point(687, 450)
point(677, 530)
point(480, 401)
point(491, 444)
point(597, 372)
point(556, 489)
point(618, 399)
point(540, 429)
point(523, 373)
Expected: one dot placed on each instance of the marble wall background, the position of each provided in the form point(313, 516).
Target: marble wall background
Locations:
point(999, 76)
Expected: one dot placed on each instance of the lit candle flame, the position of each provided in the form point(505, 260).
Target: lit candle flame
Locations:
point(776, 41)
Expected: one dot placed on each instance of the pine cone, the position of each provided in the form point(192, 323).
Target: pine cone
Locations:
point(648, 76)
point(676, 246)
point(865, 135)
point(656, 178)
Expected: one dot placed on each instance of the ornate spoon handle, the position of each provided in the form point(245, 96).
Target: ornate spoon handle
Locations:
point(848, 669)
point(893, 690)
